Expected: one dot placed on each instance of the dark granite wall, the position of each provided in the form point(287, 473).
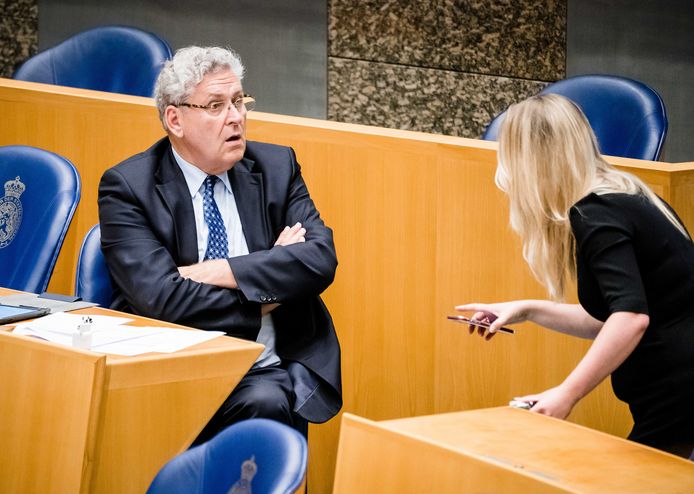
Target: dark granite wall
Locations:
point(441, 66)
point(19, 26)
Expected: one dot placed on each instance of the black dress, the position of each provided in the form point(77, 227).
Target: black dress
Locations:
point(631, 258)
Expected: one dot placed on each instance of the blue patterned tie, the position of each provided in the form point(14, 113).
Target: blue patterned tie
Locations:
point(217, 246)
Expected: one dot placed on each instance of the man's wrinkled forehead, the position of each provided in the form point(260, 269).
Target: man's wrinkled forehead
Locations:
point(221, 82)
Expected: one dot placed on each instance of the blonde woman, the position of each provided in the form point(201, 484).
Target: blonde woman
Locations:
point(633, 261)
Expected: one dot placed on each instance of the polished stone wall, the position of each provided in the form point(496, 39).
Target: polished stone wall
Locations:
point(440, 66)
point(19, 26)
point(419, 98)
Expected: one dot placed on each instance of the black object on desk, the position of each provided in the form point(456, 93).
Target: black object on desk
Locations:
point(60, 297)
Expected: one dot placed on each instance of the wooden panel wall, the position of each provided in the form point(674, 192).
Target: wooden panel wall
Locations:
point(94, 130)
point(50, 398)
point(419, 227)
point(498, 450)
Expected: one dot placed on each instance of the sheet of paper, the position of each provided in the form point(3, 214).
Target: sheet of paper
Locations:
point(64, 323)
point(111, 334)
point(161, 340)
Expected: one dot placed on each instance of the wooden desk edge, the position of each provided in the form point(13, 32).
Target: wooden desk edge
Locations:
point(40, 87)
point(367, 424)
point(392, 426)
point(213, 346)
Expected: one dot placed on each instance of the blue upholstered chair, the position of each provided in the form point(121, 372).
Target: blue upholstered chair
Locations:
point(267, 456)
point(41, 192)
point(627, 116)
point(93, 282)
point(116, 59)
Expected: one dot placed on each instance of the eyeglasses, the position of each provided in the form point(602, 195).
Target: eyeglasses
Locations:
point(216, 108)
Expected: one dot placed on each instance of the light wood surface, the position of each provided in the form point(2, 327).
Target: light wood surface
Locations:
point(49, 399)
point(419, 228)
point(78, 421)
point(498, 450)
point(92, 129)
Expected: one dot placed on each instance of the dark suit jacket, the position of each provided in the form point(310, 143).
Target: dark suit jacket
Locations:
point(148, 230)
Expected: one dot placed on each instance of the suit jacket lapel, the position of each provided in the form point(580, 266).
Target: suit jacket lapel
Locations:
point(248, 194)
point(175, 194)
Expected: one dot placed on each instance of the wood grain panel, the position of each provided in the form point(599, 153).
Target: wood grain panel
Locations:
point(499, 450)
point(374, 460)
point(419, 227)
point(78, 421)
point(92, 129)
point(44, 448)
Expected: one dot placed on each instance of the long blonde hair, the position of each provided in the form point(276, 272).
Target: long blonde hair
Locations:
point(548, 160)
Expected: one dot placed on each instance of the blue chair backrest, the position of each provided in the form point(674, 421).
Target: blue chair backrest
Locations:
point(272, 455)
point(41, 192)
point(93, 281)
point(627, 116)
point(116, 59)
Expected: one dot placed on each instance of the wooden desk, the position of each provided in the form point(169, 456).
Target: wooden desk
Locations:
point(77, 421)
point(498, 450)
point(419, 227)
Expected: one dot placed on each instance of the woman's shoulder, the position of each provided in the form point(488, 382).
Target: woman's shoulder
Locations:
point(599, 210)
point(611, 199)
point(614, 203)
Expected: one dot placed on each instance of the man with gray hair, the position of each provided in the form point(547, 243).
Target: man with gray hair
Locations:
point(208, 230)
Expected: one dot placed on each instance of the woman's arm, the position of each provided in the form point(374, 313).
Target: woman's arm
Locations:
point(619, 336)
point(565, 318)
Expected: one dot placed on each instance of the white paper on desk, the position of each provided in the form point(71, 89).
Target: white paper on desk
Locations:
point(117, 340)
point(102, 333)
point(64, 323)
point(60, 327)
point(25, 330)
point(109, 335)
point(157, 339)
point(99, 337)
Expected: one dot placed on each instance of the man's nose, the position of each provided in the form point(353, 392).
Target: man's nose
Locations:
point(233, 114)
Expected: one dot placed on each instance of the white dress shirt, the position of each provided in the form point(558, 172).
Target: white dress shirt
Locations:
point(224, 197)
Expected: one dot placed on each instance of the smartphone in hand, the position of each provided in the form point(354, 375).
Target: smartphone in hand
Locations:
point(480, 324)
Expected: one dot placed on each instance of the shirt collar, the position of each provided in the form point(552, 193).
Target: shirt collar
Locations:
point(195, 176)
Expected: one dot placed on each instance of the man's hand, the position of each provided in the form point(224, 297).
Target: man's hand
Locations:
point(212, 272)
point(291, 235)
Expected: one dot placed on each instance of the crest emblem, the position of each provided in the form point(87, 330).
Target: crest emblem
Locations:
point(248, 470)
point(10, 211)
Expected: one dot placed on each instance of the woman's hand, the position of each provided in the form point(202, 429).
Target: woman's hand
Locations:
point(499, 314)
point(556, 402)
point(566, 318)
point(618, 337)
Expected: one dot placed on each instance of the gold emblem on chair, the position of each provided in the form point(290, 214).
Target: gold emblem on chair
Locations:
point(10, 211)
point(248, 471)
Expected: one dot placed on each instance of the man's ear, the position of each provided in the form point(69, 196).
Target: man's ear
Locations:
point(172, 117)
